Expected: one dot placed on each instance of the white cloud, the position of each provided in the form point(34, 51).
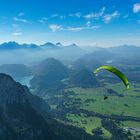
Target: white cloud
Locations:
point(59, 16)
point(96, 27)
point(78, 15)
point(75, 28)
point(102, 11)
point(88, 23)
point(43, 20)
point(20, 14)
point(89, 16)
point(16, 33)
point(70, 15)
point(95, 15)
point(136, 7)
point(55, 27)
point(80, 28)
point(15, 25)
point(107, 18)
point(126, 16)
point(21, 20)
point(62, 17)
point(55, 15)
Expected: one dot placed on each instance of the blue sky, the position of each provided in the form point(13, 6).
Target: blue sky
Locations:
point(85, 22)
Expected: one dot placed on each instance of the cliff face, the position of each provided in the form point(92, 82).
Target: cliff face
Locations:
point(10, 91)
point(19, 119)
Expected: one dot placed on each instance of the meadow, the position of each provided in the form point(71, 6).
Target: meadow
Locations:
point(125, 103)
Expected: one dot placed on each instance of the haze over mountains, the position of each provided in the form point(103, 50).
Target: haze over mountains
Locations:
point(14, 45)
point(48, 45)
point(52, 66)
point(31, 54)
point(21, 60)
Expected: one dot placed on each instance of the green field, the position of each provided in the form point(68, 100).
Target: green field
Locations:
point(128, 105)
point(92, 100)
point(130, 124)
point(87, 123)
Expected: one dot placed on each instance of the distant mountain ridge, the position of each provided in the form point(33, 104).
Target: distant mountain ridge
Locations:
point(48, 45)
point(16, 70)
point(124, 49)
point(14, 45)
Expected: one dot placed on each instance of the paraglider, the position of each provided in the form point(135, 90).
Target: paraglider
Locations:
point(105, 97)
point(117, 73)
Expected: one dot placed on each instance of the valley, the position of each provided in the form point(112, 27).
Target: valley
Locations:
point(73, 96)
point(86, 108)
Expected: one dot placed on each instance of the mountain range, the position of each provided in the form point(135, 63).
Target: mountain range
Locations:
point(30, 54)
point(14, 45)
point(48, 45)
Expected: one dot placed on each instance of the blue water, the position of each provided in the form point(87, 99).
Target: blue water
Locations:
point(24, 80)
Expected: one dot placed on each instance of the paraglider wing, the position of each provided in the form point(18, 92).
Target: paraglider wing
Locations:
point(116, 72)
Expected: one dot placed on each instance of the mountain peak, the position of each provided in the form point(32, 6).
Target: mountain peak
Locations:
point(59, 44)
point(49, 45)
point(4, 76)
point(9, 45)
point(10, 90)
point(11, 42)
point(8, 82)
point(50, 64)
point(74, 45)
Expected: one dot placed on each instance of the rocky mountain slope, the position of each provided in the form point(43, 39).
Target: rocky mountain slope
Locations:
point(21, 116)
